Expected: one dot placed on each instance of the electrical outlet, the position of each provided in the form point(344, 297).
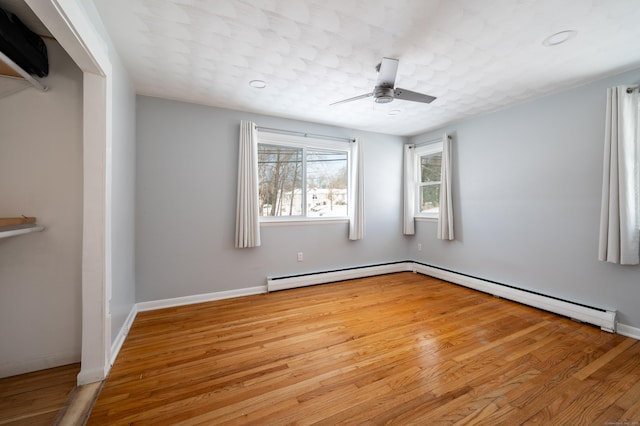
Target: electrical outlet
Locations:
point(300, 256)
point(419, 247)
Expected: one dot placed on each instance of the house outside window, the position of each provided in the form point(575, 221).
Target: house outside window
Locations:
point(302, 178)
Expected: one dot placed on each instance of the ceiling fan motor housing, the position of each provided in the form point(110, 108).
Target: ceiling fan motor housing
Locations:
point(384, 92)
point(383, 95)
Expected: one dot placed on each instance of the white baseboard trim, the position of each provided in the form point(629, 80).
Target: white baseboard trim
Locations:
point(8, 369)
point(604, 319)
point(199, 298)
point(275, 283)
point(122, 334)
point(627, 330)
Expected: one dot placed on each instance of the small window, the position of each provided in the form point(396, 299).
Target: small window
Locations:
point(428, 172)
point(301, 178)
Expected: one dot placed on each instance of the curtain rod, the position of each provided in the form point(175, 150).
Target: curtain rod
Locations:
point(430, 141)
point(632, 88)
point(303, 134)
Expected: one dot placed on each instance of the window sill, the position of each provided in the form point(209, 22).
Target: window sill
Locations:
point(303, 222)
point(426, 219)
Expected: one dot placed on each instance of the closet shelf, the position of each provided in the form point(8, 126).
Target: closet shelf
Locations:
point(11, 70)
point(14, 232)
point(12, 226)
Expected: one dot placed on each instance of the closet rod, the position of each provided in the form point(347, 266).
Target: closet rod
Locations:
point(303, 134)
point(35, 83)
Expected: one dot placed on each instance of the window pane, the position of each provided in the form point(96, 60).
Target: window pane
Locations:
point(280, 177)
point(430, 198)
point(326, 183)
point(430, 166)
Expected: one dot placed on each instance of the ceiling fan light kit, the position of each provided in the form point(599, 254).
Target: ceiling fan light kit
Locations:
point(383, 95)
point(385, 90)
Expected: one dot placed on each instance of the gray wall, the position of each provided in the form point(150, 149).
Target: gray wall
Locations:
point(123, 169)
point(527, 188)
point(41, 175)
point(186, 200)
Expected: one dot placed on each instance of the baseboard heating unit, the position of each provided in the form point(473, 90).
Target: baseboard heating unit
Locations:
point(303, 280)
point(605, 319)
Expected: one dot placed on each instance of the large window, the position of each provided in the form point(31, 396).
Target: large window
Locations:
point(302, 178)
point(428, 172)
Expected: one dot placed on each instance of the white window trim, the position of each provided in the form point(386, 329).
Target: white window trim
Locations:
point(294, 141)
point(297, 221)
point(419, 151)
point(432, 217)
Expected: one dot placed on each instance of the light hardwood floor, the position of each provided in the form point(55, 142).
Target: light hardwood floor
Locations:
point(400, 349)
point(36, 398)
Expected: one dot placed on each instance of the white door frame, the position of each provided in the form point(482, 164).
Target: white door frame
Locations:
point(70, 24)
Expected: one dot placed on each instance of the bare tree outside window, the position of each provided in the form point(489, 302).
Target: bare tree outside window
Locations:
point(286, 173)
point(280, 174)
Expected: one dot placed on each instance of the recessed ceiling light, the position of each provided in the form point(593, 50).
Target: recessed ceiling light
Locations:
point(257, 84)
point(395, 112)
point(559, 38)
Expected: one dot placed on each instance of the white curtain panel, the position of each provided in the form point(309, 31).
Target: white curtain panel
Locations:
point(620, 211)
point(247, 206)
point(356, 197)
point(409, 227)
point(445, 216)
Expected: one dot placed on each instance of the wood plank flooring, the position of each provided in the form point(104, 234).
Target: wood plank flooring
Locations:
point(394, 349)
point(36, 398)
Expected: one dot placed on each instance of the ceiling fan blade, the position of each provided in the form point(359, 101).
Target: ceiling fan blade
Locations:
point(366, 95)
point(408, 95)
point(387, 72)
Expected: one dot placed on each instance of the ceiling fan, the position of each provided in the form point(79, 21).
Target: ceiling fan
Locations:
point(385, 90)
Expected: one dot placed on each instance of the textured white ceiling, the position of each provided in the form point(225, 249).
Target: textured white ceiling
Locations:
point(476, 56)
